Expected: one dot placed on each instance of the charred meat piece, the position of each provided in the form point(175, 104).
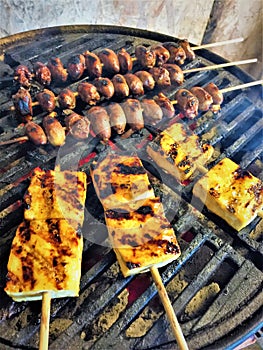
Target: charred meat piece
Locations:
point(100, 122)
point(117, 117)
point(165, 104)
point(88, 93)
point(93, 64)
point(42, 73)
point(146, 78)
point(35, 133)
point(54, 130)
point(76, 67)
point(175, 73)
point(125, 61)
point(47, 100)
point(190, 55)
point(216, 94)
point(145, 57)
point(162, 54)
point(110, 61)
point(204, 98)
point(187, 103)
point(67, 99)
point(58, 72)
point(177, 53)
point(78, 126)
point(135, 84)
point(152, 112)
point(104, 86)
point(133, 113)
point(23, 104)
point(22, 75)
point(161, 76)
point(121, 88)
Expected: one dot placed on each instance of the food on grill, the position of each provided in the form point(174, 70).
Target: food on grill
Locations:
point(175, 73)
point(230, 192)
point(54, 130)
point(121, 181)
point(22, 75)
point(216, 94)
point(88, 93)
point(177, 53)
point(146, 79)
point(162, 54)
point(78, 126)
point(104, 86)
point(42, 73)
point(190, 55)
point(76, 67)
point(161, 76)
point(23, 104)
point(133, 112)
point(35, 133)
point(187, 103)
point(205, 100)
point(47, 100)
point(166, 105)
point(100, 122)
point(125, 61)
point(110, 61)
point(117, 117)
point(179, 152)
point(135, 84)
point(56, 194)
point(66, 99)
point(93, 64)
point(152, 112)
point(45, 256)
point(121, 88)
point(145, 57)
point(58, 73)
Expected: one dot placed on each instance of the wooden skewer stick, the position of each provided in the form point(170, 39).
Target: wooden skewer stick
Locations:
point(45, 318)
point(176, 328)
point(18, 139)
point(218, 43)
point(242, 86)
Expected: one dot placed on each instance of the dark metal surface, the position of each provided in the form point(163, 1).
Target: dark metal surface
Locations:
point(215, 252)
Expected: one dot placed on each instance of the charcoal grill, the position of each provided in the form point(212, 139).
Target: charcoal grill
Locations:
point(110, 307)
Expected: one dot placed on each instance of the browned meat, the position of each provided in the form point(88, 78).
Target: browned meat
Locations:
point(145, 57)
point(88, 93)
point(22, 75)
point(76, 67)
point(35, 133)
point(165, 104)
point(187, 103)
point(58, 73)
point(93, 64)
point(133, 113)
point(54, 130)
point(121, 88)
point(204, 98)
point(47, 100)
point(216, 94)
point(177, 54)
point(152, 112)
point(146, 78)
point(100, 122)
point(67, 99)
point(190, 55)
point(175, 73)
point(78, 126)
point(104, 86)
point(42, 73)
point(23, 104)
point(161, 76)
point(162, 54)
point(117, 117)
point(110, 61)
point(135, 84)
point(125, 61)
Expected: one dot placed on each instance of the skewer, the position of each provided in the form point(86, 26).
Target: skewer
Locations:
point(218, 43)
point(45, 318)
point(176, 328)
point(242, 86)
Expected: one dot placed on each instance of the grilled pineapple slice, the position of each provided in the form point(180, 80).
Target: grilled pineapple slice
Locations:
point(142, 238)
point(233, 194)
point(179, 153)
point(45, 256)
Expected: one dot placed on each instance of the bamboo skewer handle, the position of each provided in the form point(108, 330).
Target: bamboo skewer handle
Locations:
point(45, 317)
point(218, 43)
point(241, 86)
point(176, 328)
